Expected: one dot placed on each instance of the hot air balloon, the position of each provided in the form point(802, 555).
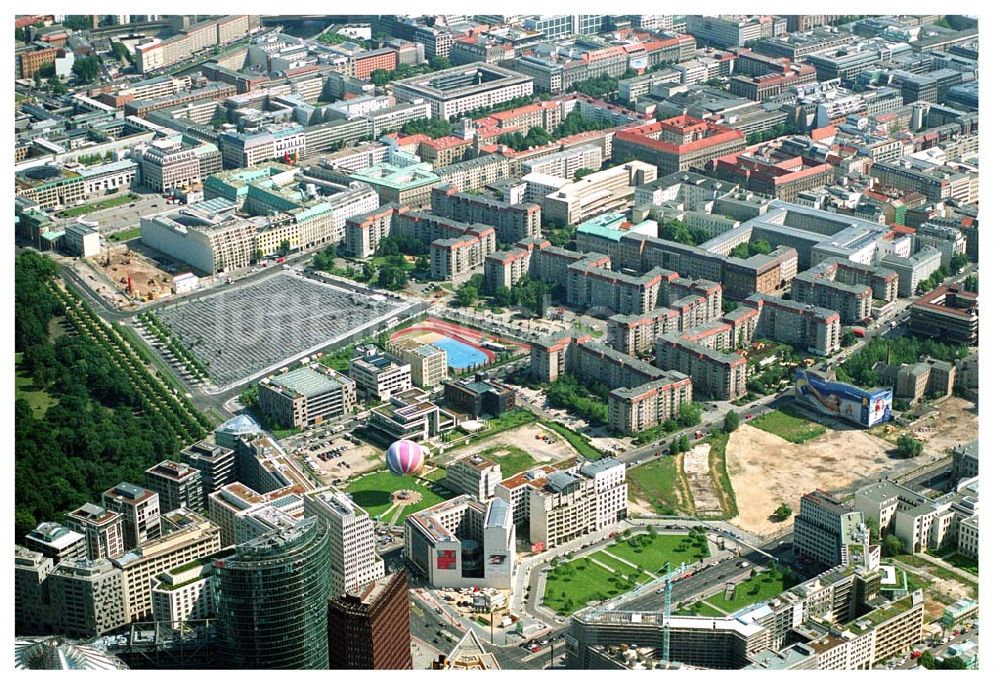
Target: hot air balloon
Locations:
point(405, 457)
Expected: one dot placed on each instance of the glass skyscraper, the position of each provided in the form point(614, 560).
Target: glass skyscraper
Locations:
point(271, 600)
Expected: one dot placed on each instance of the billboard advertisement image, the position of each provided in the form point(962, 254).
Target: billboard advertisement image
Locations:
point(447, 560)
point(863, 407)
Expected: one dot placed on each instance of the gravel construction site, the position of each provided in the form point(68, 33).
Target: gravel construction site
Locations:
point(113, 268)
point(242, 332)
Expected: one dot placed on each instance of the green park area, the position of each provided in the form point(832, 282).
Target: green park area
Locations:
point(761, 587)
point(700, 608)
point(624, 565)
point(25, 388)
point(789, 425)
point(650, 552)
point(373, 492)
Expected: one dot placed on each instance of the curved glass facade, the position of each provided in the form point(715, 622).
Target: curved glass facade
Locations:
point(271, 600)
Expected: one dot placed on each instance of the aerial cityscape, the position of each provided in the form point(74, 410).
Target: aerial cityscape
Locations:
point(496, 342)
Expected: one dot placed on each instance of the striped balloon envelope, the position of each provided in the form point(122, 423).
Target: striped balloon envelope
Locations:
point(405, 457)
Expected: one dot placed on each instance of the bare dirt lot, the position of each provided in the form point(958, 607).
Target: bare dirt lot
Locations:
point(524, 437)
point(766, 470)
point(955, 423)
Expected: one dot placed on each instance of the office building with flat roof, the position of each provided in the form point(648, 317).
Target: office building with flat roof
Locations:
point(283, 623)
point(352, 539)
point(377, 376)
point(467, 87)
point(369, 627)
point(307, 395)
point(187, 537)
point(947, 313)
point(828, 532)
point(178, 484)
point(56, 542)
point(140, 509)
point(463, 542)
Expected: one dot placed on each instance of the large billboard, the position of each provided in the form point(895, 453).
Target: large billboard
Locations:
point(861, 406)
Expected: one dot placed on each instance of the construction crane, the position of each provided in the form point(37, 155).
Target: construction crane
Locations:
point(620, 604)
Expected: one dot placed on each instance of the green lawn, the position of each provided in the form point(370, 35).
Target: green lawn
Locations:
point(435, 475)
point(24, 387)
point(373, 492)
point(664, 548)
point(127, 235)
point(99, 205)
point(511, 459)
point(408, 265)
point(570, 586)
point(615, 564)
point(720, 475)
point(578, 441)
point(768, 585)
point(656, 483)
point(788, 426)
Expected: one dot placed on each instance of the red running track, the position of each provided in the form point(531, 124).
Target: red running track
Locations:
point(466, 335)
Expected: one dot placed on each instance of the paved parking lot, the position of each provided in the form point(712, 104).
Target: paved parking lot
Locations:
point(127, 215)
point(242, 332)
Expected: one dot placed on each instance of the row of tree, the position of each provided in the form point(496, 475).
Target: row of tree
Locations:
point(97, 433)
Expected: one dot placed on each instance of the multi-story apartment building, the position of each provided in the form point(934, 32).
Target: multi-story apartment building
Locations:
point(186, 592)
point(377, 376)
point(56, 542)
point(716, 374)
point(512, 221)
point(457, 256)
point(649, 405)
point(814, 329)
point(565, 163)
point(178, 485)
point(87, 597)
point(352, 539)
point(140, 509)
point(215, 462)
point(102, 529)
point(913, 269)
point(307, 395)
